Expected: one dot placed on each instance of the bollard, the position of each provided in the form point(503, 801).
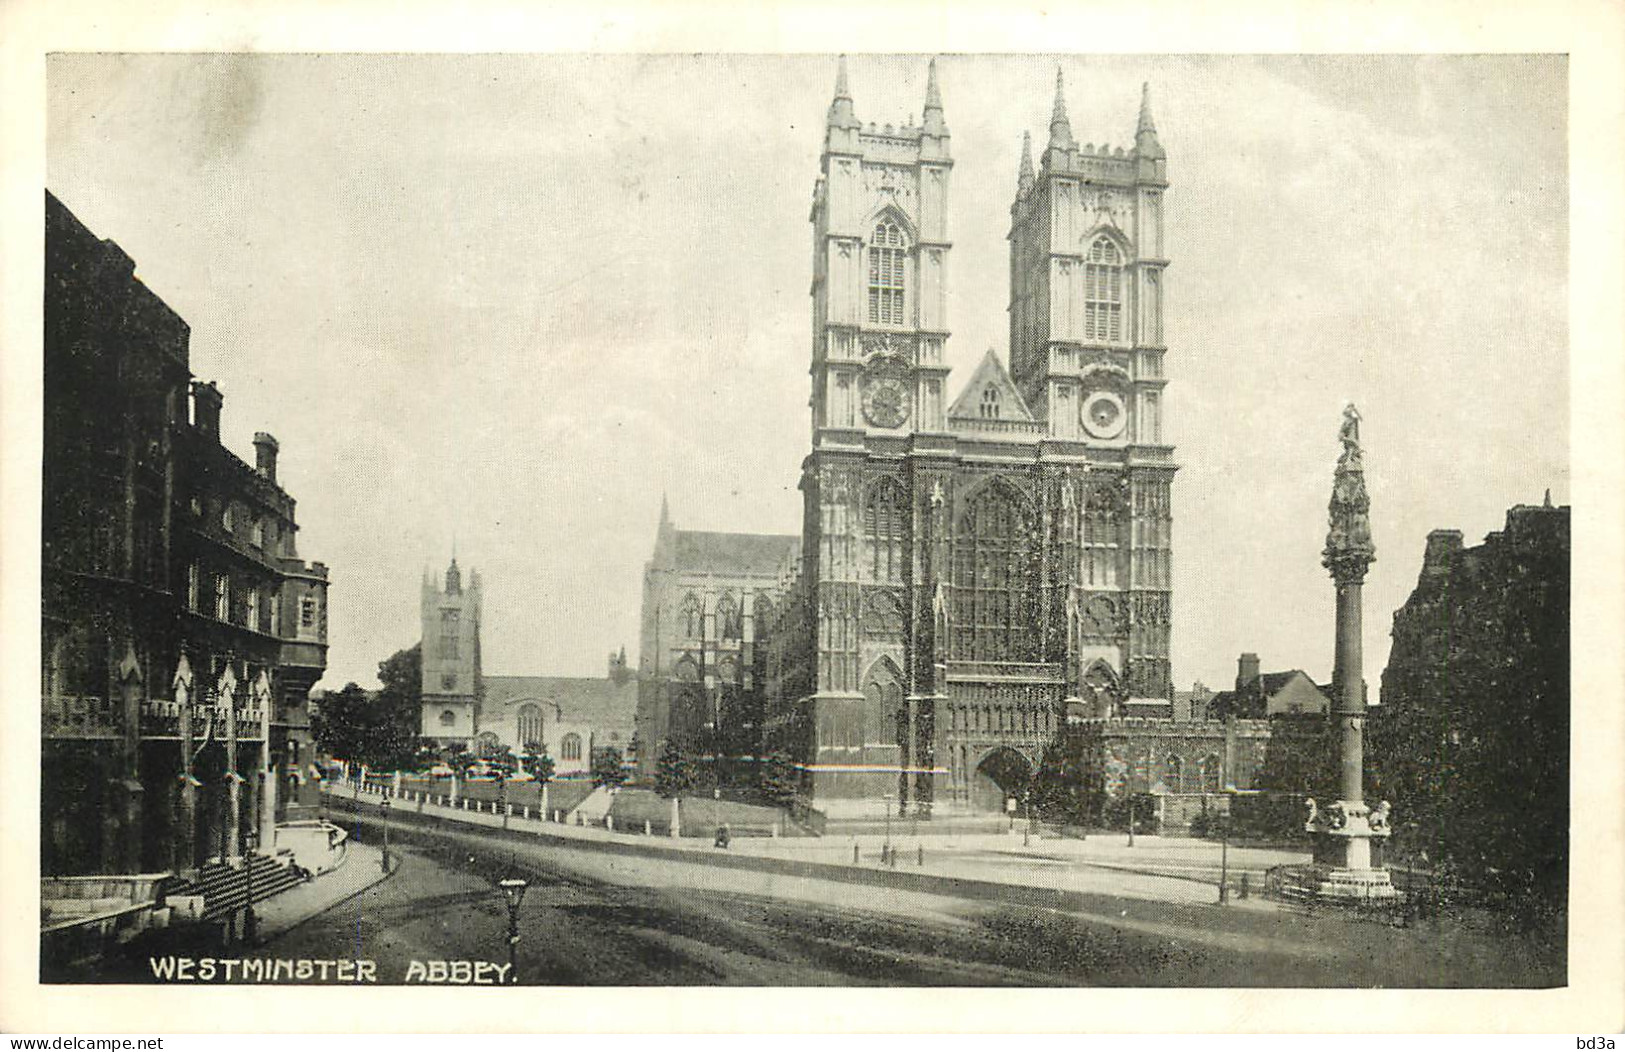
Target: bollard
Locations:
point(854, 852)
point(527, 812)
point(921, 858)
point(609, 823)
point(646, 830)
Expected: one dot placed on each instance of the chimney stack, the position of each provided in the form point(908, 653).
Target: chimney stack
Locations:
point(265, 451)
point(206, 399)
point(1442, 545)
point(1246, 671)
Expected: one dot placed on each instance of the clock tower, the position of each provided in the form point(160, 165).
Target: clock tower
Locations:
point(880, 271)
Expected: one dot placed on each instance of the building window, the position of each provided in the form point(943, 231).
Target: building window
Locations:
point(222, 597)
point(1173, 773)
point(448, 681)
point(275, 624)
point(307, 611)
point(570, 747)
point(258, 533)
point(226, 518)
point(450, 640)
point(885, 521)
point(1103, 291)
point(1209, 773)
point(995, 579)
point(1102, 536)
point(728, 626)
point(693, 617)
point(252, 598)
point(888, 253)
point(530, 727)
point(192, 582)
point(990, 403)
point(448, 718)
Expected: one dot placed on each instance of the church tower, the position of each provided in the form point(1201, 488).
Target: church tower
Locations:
point(1086, 351)
point(451, 656)
point(880, 273)
point(1086, 283)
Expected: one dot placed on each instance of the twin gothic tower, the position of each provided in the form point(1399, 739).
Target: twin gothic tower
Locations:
point(976, 573)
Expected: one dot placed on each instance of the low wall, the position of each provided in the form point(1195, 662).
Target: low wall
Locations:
point(316, 846)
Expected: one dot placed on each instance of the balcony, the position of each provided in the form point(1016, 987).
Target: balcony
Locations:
point(80, 716)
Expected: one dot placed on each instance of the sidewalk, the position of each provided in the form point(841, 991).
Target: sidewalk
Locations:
point(1171, 869)
point(359, 871)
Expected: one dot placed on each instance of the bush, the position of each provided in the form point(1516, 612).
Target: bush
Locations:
point(1144, 812)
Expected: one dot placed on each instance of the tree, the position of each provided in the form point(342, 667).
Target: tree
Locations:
point(342, 722)
point(674, 772)
point(538, 763)
point(781, 782)
point(606, 767)
point(376, 728)
point(1061, 789)
point(401, 701)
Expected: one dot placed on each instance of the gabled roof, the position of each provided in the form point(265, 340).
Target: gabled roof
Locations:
point(991, 372)
point(734, 553)
point(598, 701)
point(1274, 681)
point(1252, 701)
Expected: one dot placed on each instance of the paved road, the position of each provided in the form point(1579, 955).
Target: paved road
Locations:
point(593, 918)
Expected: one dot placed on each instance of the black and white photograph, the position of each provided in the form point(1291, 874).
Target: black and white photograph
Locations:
point(883, 517)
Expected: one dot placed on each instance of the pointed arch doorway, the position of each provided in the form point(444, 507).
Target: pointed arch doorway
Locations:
point(1002, 775)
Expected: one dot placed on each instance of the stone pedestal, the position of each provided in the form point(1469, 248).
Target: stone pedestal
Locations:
point(1342, 868)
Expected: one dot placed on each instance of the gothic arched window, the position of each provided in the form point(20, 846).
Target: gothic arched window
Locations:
point(728, 626)
point(447, 718)
point(693, 616)
point(570, 747)
point(1173, 773)
point(888, 258)
point(995, 580)
point(762, 616)
point(883, 529)
point(1209, 773)
point(530, 725)
point(990, 403)
point(1103, 515)
point(882, 702)
point(1103, 291)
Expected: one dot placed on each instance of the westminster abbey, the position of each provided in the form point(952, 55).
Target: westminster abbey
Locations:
point(975, 573)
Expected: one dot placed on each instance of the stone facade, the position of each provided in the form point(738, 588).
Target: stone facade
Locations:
point(968, 568)
point(570, 718)
point(181, 632)
point(566, 717)
point(707, 600)
point(1471, 741)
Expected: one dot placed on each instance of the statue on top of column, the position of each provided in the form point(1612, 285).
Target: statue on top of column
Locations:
point(1348, 543)
point(1349, 435)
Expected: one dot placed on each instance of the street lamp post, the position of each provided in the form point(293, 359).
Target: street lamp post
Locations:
point(514, 889)
point(885, 851)
point(383, 806)
point(251, 925)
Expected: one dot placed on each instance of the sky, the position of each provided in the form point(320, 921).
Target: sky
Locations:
point(506, 302)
